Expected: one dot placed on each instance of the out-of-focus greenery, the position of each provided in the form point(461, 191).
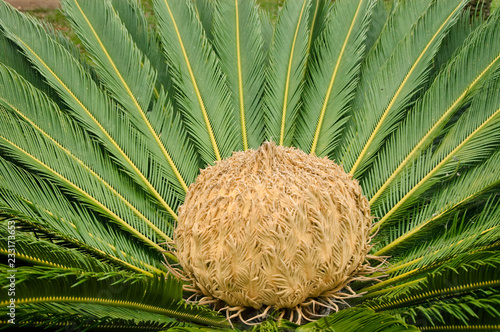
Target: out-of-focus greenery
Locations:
point(57, 19)
point(272, 6)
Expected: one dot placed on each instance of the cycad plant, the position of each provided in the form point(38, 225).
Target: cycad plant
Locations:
point(99, 149)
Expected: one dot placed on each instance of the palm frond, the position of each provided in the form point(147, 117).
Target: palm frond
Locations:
point(134, 19)
point(41, 207)
point(238, 42)
point(461, 278)
point(357, 319)
point(333, 71)
point(464, 235)
point(394, 85)
point(89, 317)
point(285, 73)
point(319, 15)
point(11, 57)
point(267, 31)
point(157, 295)
point(202, 92)
point(205, 10)
point(462, 191)
point(87, 18)
point(89, 105)
point(377, 23)
point(473, 138)
point(40, 150)
point(199, 329)
point(465, 314)
point(461, 79)
point(41, 252)
point(130, 78)
point(454, 40)
point(403, 17)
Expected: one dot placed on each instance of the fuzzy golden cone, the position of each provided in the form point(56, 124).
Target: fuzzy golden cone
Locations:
point(274, 227)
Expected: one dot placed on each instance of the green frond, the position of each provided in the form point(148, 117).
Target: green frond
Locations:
point(332, 76)
point(319, 15)
point(465, 275)
point(133, 88)
point(11, 57)
point(461, 191)
point(84, 316)
point(402, 17)
point(238, 42)
point(171, 132)
point(199, 329)
point(157, 295)
point(134, 19)
point(40, 252)
point(205, 10)
point(41, 151)
point(285, 71)
point(456, 83)
point(202, 93)
point(467, 313)
point(357, 319)
point(87, 102)
point(130, 78)
point(395, 83)
point(267, 30)
point(464, 289)
point(473, 138)
point(42, 207)
point(465, 234)
point(378, 21)
point(454, 40)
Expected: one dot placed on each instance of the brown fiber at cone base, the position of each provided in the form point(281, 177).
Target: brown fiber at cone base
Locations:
point(272, 227)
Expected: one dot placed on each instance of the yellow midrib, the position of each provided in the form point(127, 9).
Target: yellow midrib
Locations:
point(385, 290)
point(136, 104)
point(102, 253)
point(195, 85)
point(416, 229)
point(118, 303)
point(440, 292)
point(85, 194)
point(32, 259)
point(35, 260)
point(396, 95)
point(416, 260)
point(103, 130)
point(468, 327)
point(332, 80)
point(431, 173)
point(407, 235)
point(94, 174)
point(399, 266)
point(240, 79)
point(429, 133)
point(93, 300)
point(287, 84)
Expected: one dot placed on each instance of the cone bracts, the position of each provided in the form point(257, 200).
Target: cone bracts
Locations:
point(274, 229)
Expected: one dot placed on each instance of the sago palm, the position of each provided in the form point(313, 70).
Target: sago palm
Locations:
point(209, 170)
